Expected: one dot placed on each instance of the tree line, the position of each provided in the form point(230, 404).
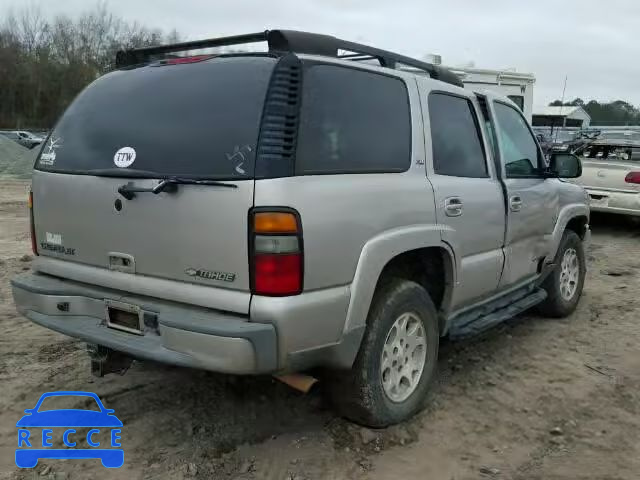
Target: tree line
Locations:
point(617, 113)
point(45, 63)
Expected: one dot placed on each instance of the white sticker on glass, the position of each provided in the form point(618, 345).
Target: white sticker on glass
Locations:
point(239, 156)
point(124, 157)
point(48, 155)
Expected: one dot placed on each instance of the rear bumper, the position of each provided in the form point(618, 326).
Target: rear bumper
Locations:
point(625, 203)
point(174, 333)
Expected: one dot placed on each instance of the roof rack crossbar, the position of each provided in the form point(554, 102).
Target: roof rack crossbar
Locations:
point(294, 41)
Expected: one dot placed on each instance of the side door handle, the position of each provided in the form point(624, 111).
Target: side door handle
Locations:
point(515, 203)
point(453, 206)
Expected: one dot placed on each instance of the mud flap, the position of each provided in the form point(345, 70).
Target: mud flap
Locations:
point(105, 360)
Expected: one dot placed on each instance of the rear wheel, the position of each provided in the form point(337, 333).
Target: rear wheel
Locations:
point(396, 364)
point(564, 284)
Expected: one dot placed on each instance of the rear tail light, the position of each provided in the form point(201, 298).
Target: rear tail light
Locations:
point(34, 245)
point(276, 253)
point(632, 177)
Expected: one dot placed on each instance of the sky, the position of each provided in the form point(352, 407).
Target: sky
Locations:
point(591, 42)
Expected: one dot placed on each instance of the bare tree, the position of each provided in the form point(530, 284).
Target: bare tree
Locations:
point(44, 62)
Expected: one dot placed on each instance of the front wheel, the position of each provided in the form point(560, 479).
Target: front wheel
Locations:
point(564, 284)
point(396, 364)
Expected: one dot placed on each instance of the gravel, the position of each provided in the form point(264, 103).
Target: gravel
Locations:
point(16, 160)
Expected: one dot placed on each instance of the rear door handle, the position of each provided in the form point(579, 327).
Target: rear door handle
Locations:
point(515, 203)
point(453, 206)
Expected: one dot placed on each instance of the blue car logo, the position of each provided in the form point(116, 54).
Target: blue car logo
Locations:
point(32, 446)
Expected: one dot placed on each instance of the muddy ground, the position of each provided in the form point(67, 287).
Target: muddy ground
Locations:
point(532, 399)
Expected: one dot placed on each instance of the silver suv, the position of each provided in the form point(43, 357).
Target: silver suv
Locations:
point(324, 204)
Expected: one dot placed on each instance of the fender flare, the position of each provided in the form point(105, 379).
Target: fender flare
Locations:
point(375, 255)
point(566, 214)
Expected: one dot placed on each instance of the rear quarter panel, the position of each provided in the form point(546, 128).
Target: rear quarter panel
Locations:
point(352, 225)
point(341, 213)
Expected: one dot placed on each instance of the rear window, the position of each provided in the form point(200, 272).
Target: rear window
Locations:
point(352, 121)
point(198, 119)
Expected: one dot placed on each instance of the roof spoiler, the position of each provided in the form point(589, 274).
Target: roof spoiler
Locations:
point(285, 41)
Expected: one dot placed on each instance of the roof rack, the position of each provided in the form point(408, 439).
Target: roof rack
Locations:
point(281, 41)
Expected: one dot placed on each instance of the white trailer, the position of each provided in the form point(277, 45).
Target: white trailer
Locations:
point(517, 86)
point(508, 83)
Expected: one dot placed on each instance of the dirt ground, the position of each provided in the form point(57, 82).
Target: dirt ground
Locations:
point(531, 399)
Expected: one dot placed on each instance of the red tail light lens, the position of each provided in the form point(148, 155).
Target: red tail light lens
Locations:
point(276, 258)
point(277, 274)
point(632, 177)
point(34, 244)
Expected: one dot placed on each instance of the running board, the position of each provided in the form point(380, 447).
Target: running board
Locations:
point(472, 323)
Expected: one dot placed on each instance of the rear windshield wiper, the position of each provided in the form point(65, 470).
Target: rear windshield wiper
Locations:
point(129, 190)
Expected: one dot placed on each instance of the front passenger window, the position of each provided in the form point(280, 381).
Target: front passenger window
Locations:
point(517, 145)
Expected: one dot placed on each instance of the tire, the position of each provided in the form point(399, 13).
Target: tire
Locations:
point(359, 394)
point(558, 304)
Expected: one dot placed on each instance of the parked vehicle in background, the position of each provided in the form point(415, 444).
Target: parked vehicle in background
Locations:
point(620, 135)
point(611, 172)
point(24, 138)
point(335, 214)
point(564, 140)
point(544, 139)
point(583, 139)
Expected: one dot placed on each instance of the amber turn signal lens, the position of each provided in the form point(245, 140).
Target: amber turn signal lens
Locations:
point(274, 222)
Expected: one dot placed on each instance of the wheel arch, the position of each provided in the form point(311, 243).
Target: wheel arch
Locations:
point(573, 217)
point(414, 253)
point(579, 225)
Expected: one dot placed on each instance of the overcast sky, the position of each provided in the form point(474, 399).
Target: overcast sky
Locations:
point(593, 42)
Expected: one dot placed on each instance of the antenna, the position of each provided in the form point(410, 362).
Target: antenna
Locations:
point(564, 89)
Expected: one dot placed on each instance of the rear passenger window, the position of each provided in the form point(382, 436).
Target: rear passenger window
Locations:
point(457, 148)
point(352, 121)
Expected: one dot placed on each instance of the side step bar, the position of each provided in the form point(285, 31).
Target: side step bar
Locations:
point(472, 323)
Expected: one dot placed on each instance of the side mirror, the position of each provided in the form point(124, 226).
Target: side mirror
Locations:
point(565, 165)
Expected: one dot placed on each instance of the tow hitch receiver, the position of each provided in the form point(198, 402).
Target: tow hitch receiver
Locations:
point(105, 360)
